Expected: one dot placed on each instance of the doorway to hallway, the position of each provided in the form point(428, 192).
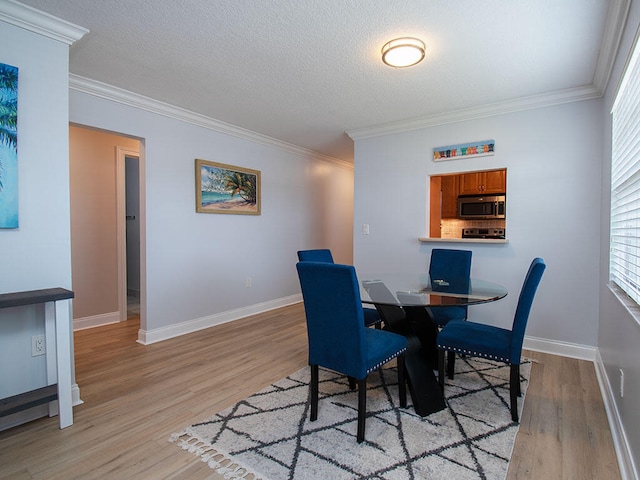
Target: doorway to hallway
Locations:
point(106, 223)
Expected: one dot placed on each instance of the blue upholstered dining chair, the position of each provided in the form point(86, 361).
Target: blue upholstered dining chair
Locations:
point(371, 316)
point(338, 339)
point(495, 343)
point(449, 271)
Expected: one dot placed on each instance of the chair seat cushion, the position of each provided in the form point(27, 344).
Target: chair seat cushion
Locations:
point(382, 346)
point(476, 339)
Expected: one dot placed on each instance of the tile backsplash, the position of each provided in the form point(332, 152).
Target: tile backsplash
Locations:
point(452, 227)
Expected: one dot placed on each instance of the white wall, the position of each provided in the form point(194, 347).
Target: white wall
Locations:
point(619, 332)
point(553, 158)
point(37, 254)
point(41, 244)
point(197, 264)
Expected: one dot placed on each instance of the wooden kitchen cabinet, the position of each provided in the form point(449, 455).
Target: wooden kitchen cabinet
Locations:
point(478, 183)
point(435, 210)
point(449, 186)
point(443, 201)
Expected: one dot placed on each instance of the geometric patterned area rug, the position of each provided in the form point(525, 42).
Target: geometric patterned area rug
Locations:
point(269, 436)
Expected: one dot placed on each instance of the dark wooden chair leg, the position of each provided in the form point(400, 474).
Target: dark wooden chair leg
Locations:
point(362, 408)
point(352, 383)
point(514, 387)
point(441, 369)
point(313, 390)
point(451, 364)
point(519, 386)
point(402, 384)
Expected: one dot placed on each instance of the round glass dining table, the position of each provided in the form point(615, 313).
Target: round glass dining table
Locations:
point(405, 303)
point(417, 290)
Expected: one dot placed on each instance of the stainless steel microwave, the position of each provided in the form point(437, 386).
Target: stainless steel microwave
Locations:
point(481, 207)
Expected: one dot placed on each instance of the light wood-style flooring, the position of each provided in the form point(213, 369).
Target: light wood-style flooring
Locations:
point(136, 396)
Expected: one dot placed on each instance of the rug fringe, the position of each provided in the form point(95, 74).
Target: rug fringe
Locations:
point(218, 461)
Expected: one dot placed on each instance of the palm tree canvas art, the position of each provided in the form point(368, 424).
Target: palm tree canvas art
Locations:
point(8, 146)
point(224, 188)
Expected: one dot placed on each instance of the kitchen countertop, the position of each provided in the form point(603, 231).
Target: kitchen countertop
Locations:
point(463, 240)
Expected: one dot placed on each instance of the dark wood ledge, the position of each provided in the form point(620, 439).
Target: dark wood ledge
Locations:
point(17, 299)
point(27, 400)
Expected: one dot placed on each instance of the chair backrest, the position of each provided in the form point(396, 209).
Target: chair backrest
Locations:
point(319, 255)
point(335, 321)
point(527, 294)
point(451, 266)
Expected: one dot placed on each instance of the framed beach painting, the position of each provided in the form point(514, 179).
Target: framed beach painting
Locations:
point(224, 188)
point(8, 146)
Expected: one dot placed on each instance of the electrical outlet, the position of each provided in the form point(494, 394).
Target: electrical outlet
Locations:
point(621, 383)
point(38, 346)
point(365, 229)
point(248, 283)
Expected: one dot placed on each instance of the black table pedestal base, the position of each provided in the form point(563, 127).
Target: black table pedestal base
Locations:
point(421, 358)
point(425, 391)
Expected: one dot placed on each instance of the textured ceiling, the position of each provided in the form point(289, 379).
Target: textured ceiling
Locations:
point(307, 71)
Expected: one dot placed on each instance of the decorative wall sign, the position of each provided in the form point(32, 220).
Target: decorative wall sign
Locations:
point(8, 146)
point(464, 150)
point(224, 188)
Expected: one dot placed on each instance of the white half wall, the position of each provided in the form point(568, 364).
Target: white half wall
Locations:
point(36, 255)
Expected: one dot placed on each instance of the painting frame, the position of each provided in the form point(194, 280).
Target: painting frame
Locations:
point(227, 189)
point(464, 150)
point(8, 147)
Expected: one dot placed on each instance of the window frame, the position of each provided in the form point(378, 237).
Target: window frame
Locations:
point(624, 225)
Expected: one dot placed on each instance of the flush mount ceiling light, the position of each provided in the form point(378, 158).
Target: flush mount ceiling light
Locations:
point(403, 52)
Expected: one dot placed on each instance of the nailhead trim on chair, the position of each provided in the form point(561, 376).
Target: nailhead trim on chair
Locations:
point(376, 367)
point(471, 353)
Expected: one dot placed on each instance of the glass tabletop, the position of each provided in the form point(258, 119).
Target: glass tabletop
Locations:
point(417, 290)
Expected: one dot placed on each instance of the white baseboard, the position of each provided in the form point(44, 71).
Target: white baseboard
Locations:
point(75, 395)
point(565, 349)
point(96, 320)
point(147, 337)
point(627, 466)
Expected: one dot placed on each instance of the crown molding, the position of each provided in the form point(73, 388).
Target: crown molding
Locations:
point(614, 27)
point(499, 108)
point(34, 20)
point(125, 97)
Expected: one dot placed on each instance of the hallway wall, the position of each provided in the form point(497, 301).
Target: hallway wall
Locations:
point(197, 264)
point(93, 194)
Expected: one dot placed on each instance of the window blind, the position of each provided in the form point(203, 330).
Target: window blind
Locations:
point(624, 262)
